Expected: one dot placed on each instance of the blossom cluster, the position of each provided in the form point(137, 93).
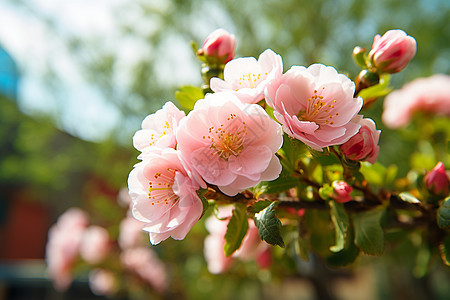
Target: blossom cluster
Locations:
point(229, 142)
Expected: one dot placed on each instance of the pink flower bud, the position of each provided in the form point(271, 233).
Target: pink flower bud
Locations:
point(219, 46)
point(364, 144)
point(342, 191)
point(437, 180)
point(391, 52)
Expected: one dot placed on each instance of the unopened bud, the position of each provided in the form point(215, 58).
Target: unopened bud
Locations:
point(341, 191)
point(218, 47)
point(437, 180)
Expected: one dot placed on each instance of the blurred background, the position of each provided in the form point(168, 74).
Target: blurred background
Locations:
point(77, 77)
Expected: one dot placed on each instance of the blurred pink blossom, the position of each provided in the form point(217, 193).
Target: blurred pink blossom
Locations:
point(130, 234)
point(219, 46)
point(247, 77)
point(158, 129)
point(315, 105)
point(426, 95)
point(342, 191)
point(229, 143)
point(164, 196)
point(437, 180)
point(364, 144)
point(64, 240)
point(145, 263)
point(252, 248)
point(392, 52)
point(95, 244)
point(102, 282)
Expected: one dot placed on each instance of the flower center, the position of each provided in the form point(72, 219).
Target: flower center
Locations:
point(227, 140)
point(319, 110)
point(251, 80)
point(166, 130)
point(160, 189)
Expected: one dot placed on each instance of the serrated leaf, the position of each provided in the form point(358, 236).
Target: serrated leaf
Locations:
point(269, 226)
point(281, 184)
point(444, 250)
point(259, 206)
point(325, 157)
point(188, 95)
point(408, 197)
point(236, 229)
point(369, 235)
point(339, 218)
point(443, 214)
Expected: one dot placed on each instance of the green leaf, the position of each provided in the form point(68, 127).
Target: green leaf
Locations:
point(339, 218)
point(325, 157)
point(187, 96)
point(444, 250)
point(408, 197)
point(290, 152)
point(379, 90)
point(321, 237)
point(258, 206)
point(347, 255)
point(269, 226)
point(236, 229)
point(302, 248)
point(369, 235)
point(281, 184)
point(443, 214)
point(201, 192)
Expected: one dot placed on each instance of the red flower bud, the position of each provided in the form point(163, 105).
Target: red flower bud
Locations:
point(437, 180)
point(364, 144)
point(219, 46)
point(341, 192)
point(392, 52)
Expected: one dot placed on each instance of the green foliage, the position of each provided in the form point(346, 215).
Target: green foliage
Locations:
point(443, 214)
point(340, 221)
point(269, 225)
point(236, 229)
point(201, 192)
point(408, 197)
point(369, 235)
point(187, 96)
point(348, 254)
point(377, 174)
point(444, 249)
point(379, 90)
point(258, 206)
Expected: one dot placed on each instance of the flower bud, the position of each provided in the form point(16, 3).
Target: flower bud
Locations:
point(392, 52)
point(341, 191)
point(363, 146)
point(437, 180)
point(218, 47)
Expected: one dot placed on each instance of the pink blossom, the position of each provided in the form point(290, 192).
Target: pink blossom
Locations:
point(95, 244)
point(164, 196)
point(219, 46)
point(364, 144)
point(315, 105)
point(130, 234)
point(437, 180)
point(342, 191)
point(102, 282)
point(246, 77)
point(252, 248)
point(146, 264)
point(158, 129)
point(426, 95)
point(64, 239)
point(229, 143)
point(392, 52)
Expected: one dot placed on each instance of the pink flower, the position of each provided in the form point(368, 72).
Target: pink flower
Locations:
point(252, 248)
point(437, 180)
point(130, 234)
point(219, 47)
point(427, 95)
point(246, 78)
point(102, 282)
point(64, 239)
point(364, 144)
point(95, 244)
point(230, 144)
point(158, 129)
point(315, 105)
point(342, 191)
point(392, 52)
point(164, 196)
point(146, 264)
